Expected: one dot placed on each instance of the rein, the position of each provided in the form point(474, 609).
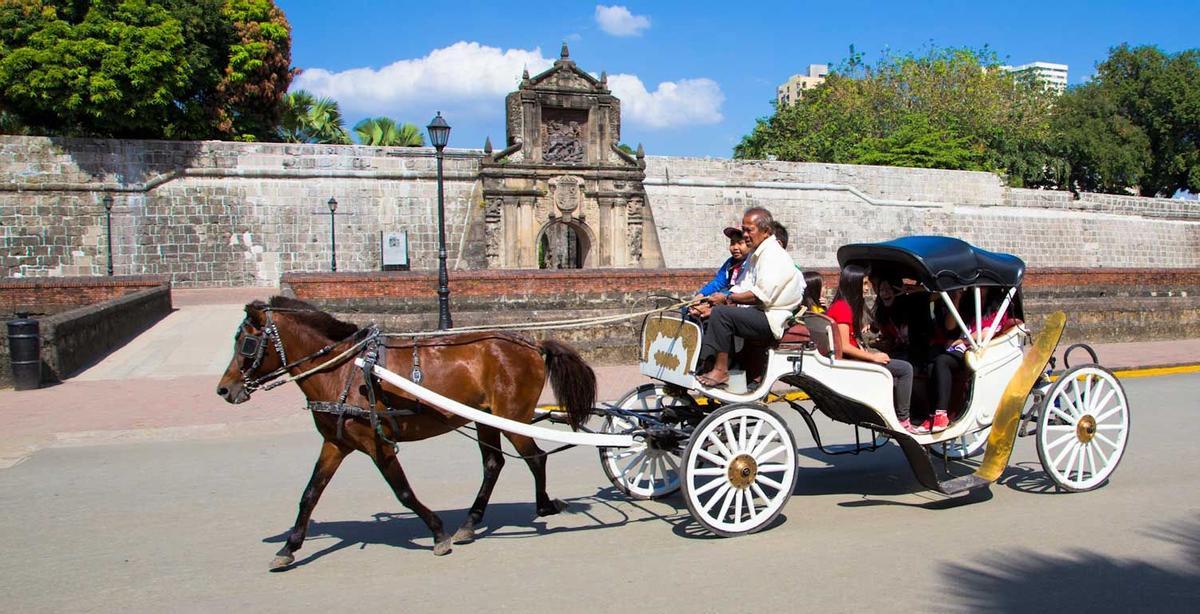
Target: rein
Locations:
point(254, 346)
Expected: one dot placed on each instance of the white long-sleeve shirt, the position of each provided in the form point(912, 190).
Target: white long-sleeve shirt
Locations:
point(772, 276)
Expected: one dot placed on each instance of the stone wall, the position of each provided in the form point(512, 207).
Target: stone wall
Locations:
point(56, 294)
point(212, 213)
point(825, 206)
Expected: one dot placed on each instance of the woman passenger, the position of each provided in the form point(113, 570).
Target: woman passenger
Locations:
point(847, 312)
point(812, 292)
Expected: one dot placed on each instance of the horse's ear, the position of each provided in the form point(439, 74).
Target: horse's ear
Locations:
point(254, 311)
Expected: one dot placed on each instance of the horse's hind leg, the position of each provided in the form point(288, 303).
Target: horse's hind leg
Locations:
point(536, 459)
point(327, 463)
point(493, 462)
point(389, 466)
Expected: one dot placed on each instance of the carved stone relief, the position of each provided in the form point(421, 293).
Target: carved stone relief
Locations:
point(493, 233)
point(566, 192)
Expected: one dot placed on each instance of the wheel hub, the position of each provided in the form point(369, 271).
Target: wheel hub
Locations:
point(742, 471)
point(1085, 430)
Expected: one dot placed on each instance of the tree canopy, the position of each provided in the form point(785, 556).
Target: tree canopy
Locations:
point(308, 119)
point(385, 131)
point(183, 69)
point(1135, 127)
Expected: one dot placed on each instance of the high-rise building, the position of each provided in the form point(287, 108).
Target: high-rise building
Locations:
point(1053, 76)
point(794, 88)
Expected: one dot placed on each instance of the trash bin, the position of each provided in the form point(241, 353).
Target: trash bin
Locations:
point(25, 350)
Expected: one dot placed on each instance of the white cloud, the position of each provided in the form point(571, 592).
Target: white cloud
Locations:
point(618, 21)
point(672, 104)
point(463, 72)
point(470, 79)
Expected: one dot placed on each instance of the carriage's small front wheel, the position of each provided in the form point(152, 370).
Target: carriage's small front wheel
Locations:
point(1083, 427)
point(645, 470)
point(739, 469)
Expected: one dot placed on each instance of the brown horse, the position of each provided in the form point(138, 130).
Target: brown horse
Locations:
point(496, 372)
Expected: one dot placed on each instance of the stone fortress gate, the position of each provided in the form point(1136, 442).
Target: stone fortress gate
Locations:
point(562, 194)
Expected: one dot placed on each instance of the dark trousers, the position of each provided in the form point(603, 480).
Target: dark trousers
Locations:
point(902, 373)
point(727, 321)
point(944, 367)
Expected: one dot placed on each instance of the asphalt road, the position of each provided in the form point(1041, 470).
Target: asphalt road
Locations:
point(192, 525)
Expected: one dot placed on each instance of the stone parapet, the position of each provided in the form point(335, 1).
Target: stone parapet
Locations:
point(49, 295)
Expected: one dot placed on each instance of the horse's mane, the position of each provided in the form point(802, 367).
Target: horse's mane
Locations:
point(307, 314)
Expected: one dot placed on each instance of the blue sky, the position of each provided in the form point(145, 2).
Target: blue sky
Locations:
point(692, 76)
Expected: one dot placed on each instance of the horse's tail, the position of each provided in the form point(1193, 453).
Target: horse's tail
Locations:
point(573, 381)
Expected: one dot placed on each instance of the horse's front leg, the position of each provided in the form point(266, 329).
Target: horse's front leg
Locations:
point(389, 466)
point(327, 464)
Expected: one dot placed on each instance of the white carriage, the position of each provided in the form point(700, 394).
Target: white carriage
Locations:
point(734, 457)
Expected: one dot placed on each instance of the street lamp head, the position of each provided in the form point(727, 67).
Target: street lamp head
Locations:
point(439, 132)
point(332, 204)
point(108, 202)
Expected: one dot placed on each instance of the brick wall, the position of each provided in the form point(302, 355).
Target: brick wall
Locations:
point(1102, 306)
point(49, 295)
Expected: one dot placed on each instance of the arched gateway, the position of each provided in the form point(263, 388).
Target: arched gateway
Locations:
point(562, 194)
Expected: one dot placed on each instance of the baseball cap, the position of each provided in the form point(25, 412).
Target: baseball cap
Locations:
point(733, 233)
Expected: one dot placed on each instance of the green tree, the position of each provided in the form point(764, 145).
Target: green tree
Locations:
point(308, 119)
point(986, 118)
point(1158, 94)
point(1098, 148)
point(385, 132)
point(185, 69)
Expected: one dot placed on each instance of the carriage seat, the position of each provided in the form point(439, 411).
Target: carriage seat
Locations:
point(817, 328)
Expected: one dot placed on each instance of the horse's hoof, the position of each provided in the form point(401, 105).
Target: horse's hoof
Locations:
point(442, 548)
point(556, 506)
point(281, 562)
point(464, 535)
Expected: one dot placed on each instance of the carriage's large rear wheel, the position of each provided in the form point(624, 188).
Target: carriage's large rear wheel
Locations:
point(1083, 427)
point(642, 471)
point(739, 469)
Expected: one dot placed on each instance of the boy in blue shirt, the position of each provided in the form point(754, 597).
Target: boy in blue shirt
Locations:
point(728, 273)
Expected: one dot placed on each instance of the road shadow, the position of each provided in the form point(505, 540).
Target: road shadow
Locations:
point(884, 472)
point(606, 509)
point(1082, 580)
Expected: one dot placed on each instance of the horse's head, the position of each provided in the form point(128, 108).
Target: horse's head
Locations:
point(256, 352)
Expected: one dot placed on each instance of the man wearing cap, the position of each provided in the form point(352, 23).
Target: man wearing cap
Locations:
point(769, 283)
point(728, 273)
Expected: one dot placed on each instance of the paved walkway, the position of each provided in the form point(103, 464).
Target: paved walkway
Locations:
point(162, 384)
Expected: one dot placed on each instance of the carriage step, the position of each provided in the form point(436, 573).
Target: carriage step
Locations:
point(962, 484)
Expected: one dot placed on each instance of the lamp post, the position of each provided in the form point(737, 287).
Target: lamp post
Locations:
point(332, 234)
point(108, 205)
point(439, 135)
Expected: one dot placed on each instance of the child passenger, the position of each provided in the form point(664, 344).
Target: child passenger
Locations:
point(847, 312)
point(728, 273)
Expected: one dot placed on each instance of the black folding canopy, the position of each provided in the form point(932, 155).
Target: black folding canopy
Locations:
point(939, 263)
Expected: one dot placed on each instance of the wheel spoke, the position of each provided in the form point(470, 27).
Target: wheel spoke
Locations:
point(725, 487)
point(656, 470)
point(1069, 419)
point(1061, 439)
point(769, 455)
point(772, 468)
point(1078, 397)
point(1102, 401)
point(752, 442)
point(712, 484)
point(1105, 439)
point(627, 453)
point(1104, 416)
point(1057, 427)
point(1103, 458)
point(636, 460)
point(1091, 454)
point(738, 495)
point(731, 439)
point(761, 495)
point(709, 471)
point(1061, 455)
point(673, 463)
point(710, 457)
point(762, 445)
point(720, 445)
point(1075, 452)
point(641, 471)
point(743, 433)
point(729, 495)
point(750, 504)
point(768, 481)
point(1109, 427)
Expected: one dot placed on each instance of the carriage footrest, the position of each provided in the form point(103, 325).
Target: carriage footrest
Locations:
point(963, 484)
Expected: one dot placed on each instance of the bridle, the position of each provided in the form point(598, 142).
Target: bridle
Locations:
point(254, 347)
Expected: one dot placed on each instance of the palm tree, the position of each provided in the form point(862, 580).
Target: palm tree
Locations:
point(308, 119)
point(385, 132)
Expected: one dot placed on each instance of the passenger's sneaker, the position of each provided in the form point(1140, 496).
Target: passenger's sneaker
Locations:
point(915, 430)
point(940, 421)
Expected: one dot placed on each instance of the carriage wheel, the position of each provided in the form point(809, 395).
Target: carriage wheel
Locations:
point(642, 471)
point(967, 446)
point(1083, 427)
point(740, 469)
